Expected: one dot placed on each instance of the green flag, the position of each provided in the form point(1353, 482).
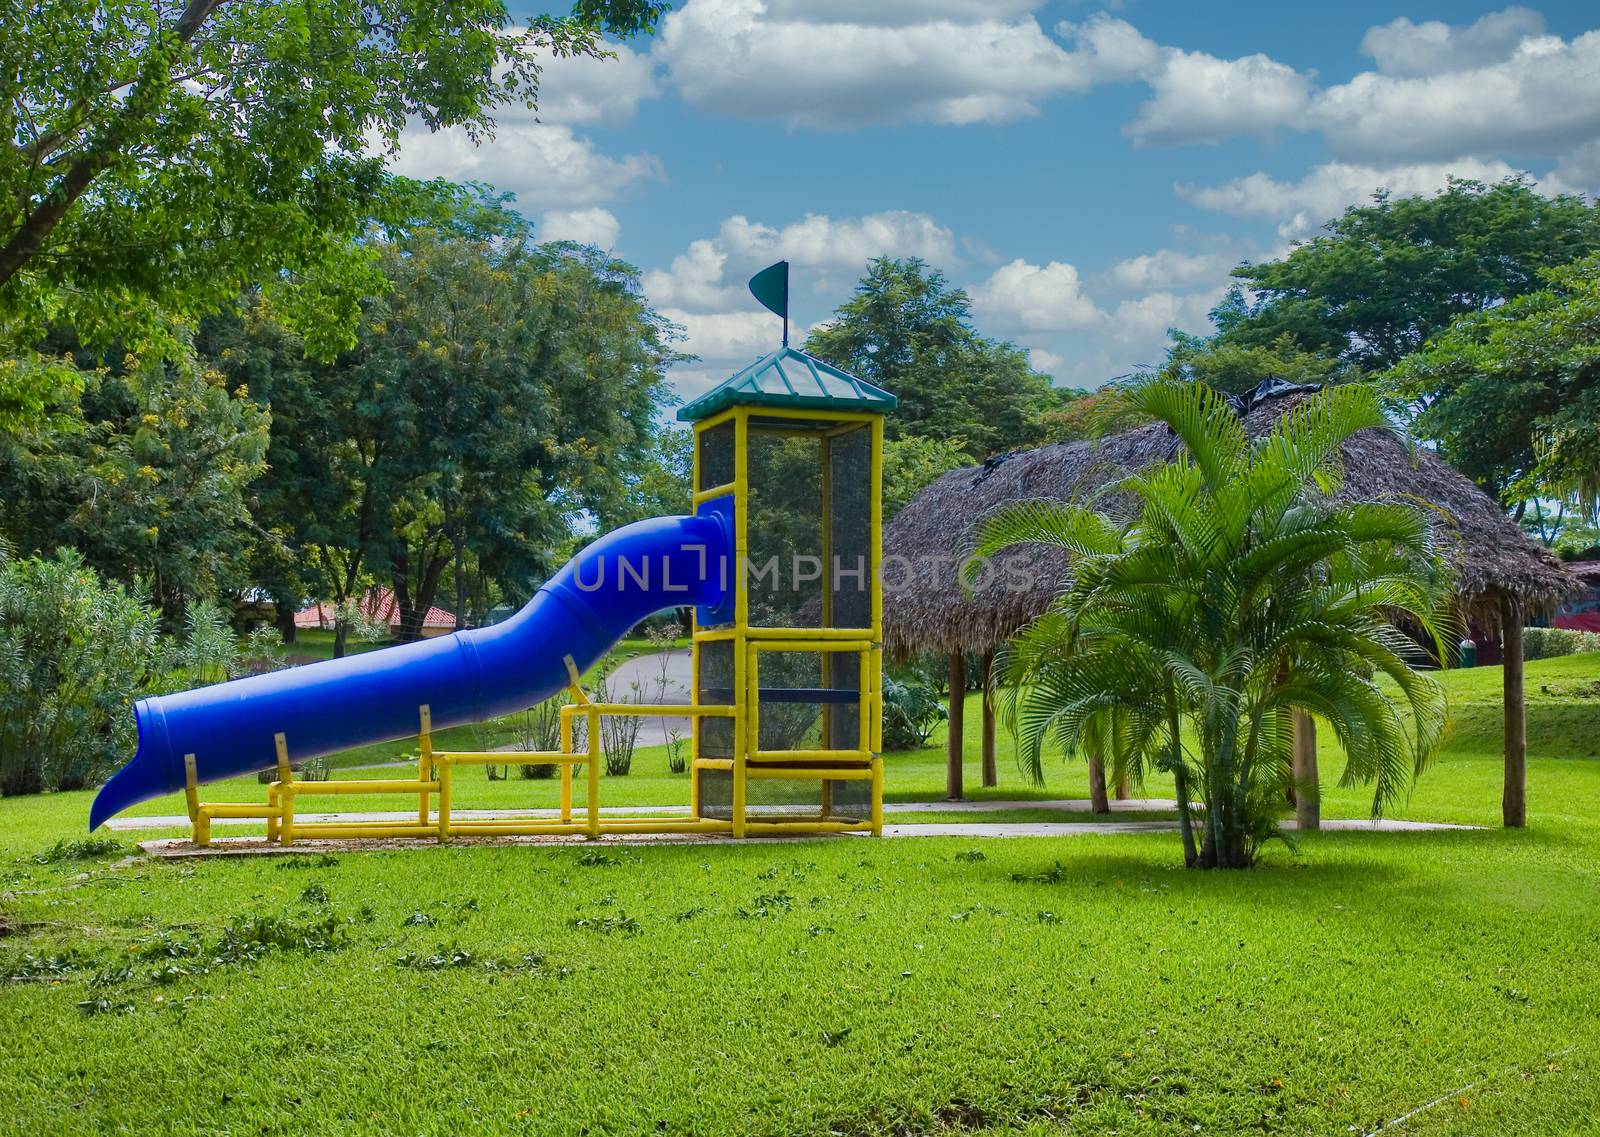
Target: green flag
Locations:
point(771, 287)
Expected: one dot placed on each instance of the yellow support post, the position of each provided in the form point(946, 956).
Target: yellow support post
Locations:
point(424, 759)
point(744, 738)
point(286, 825)
point(280, 746)
point(566, 768)
point(446, 772)
point(594, 772)
point(198, 817)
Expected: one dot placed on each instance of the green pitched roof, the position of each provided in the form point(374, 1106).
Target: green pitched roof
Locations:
point(790, 378)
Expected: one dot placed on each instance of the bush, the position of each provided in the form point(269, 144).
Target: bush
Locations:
point(911, 709)
point(1547, 643)
point(539, 728)
point(74, 654)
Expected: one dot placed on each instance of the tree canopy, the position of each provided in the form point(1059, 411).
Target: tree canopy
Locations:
point(1512, 394)
point(906, 330)
point(170, 156)
point(142, 464)
point(497, 390)
point(1388, 276)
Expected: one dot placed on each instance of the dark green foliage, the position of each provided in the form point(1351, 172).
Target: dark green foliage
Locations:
point(74, 653)
point(1551, 643)
point(1387, 277)
point(619, 924)
point(907, 331)
point(145, 470)
point(498, 390)
point(141, 174)
point(252, 937)
point(911, 711)
point(1512, 395)
point(81, 849)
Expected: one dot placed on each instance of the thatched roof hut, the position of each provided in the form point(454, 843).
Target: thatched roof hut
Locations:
point(936, 532)
point(926, 610)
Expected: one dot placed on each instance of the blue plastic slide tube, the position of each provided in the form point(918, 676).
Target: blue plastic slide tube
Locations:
point(467, 677)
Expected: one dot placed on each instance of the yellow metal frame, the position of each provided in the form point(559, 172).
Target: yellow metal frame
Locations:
point(433, 783)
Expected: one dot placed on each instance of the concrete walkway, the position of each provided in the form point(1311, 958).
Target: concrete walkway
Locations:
point(1066, 805)
point(933, 829)
point(179, 847)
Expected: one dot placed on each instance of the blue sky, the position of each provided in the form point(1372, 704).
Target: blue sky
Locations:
point(1088, 172)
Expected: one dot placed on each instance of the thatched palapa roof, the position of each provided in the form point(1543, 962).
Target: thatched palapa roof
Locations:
point(927, 610)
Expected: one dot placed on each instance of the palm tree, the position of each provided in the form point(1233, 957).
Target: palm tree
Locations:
point(1217, 595)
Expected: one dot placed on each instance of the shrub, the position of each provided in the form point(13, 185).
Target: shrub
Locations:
point(619, 734)
point(539, 728)
point(911, 709)
point(1547, 643)
point(74, 654)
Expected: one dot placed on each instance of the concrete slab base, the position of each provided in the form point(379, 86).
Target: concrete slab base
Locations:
point(177, 847)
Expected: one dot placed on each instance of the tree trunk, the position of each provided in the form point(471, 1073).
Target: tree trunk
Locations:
point(284, 618)
point(1514, 799)
point(461, 590)
point(1098, 802)
point(1122, 789)
point(341, 635)
point(1307, 786)
point(953, 748)
point(991, 775)
point(1191, 857)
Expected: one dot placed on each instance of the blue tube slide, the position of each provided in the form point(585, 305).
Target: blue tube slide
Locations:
point(467, 677)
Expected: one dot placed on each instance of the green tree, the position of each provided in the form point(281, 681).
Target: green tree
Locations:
point(906, 330)
point(912, 463)
point(145, 471)
point(1386, 277)
point(1233, 593)
point(497, 391)
point(168, 156)
point(1224, 363)
point(74, 654)
point(1512, 395)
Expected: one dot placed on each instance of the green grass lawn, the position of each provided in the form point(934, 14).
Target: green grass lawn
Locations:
point(1042, 986)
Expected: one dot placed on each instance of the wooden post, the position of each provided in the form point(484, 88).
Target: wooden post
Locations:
point(991, 775)
point(1097, 785)
point(1514, 799)
point(953, 754)
point(1307, 785)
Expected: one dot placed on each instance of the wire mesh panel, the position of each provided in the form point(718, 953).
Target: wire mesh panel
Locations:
point(784, 573)
point(716, 456)
point(850, 801)
point(809, 700)
point(716, 689)
point(849, 457)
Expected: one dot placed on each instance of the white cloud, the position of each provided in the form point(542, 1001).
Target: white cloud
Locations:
point(1579, 169)
point(1141, 324)
point(1169, 268)
point(578, 89)
point(1023, 297)
point(1434, 48)
point(1301, 207)
point(547, 167)
point(1047, 362)
point(897, 13)
point(597, 227)
point(727, 336)
point(839, 65)
point(1543, 98)
point(1199, 98)
point(825, 253)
